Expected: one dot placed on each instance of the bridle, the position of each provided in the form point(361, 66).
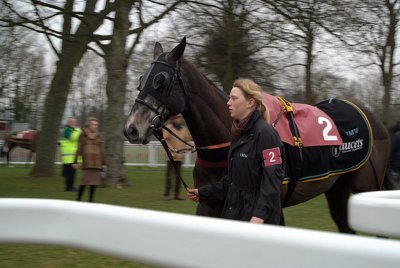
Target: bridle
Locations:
point(159, 111)
point(156, 110)
point(159, 114)
point(158, 122)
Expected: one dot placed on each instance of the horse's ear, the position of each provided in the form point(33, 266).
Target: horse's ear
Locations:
point(177, 52)
point(158, 50)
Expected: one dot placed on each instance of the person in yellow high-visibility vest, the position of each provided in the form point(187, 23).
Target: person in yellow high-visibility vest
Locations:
point(69, 145)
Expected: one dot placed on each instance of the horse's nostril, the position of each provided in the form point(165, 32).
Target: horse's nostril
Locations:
point(131, 133)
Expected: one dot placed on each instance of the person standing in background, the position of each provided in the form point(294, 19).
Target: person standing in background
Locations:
point(90, 147)
point(176, 147)
point(68, 147)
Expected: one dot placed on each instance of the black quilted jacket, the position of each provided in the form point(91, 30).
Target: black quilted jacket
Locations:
point(256, 169)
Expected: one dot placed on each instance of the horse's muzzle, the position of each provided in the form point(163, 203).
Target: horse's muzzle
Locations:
point(131, 134)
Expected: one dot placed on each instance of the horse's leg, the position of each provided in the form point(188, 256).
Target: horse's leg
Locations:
point(370, 177)
point(305, 191)
point(388, 182)
point(337, 197)
point(282, 221)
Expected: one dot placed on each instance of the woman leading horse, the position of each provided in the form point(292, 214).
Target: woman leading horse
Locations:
point(251, 190)
point(172, 85)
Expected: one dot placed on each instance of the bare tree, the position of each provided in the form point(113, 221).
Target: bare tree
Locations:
point(88, 90)
point(226, 41)
point(40, 16)
point(22, 76)
point(79, 34)
point(375, 37)
point(117, 54)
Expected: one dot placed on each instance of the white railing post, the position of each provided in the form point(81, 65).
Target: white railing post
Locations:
point(376, 213)
point(152, 155)
point(186, 161)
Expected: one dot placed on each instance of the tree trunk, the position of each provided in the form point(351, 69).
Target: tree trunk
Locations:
point(388, 63)
point(73, 48)
point(116, 63)
point(54, 109)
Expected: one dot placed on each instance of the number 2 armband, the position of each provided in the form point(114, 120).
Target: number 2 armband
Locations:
point(272, 156)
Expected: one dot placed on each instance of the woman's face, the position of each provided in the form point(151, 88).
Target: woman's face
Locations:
point(239, 107)
point(93, 126)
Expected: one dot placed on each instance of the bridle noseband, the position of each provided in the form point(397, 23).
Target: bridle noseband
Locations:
point(159, 114)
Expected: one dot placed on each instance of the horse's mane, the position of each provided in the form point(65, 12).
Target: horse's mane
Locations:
point(212, 84)
point(193, 69)
point(198, 85)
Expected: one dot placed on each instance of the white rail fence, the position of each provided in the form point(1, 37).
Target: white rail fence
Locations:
point(152, 155)
point(176, 240)
point(376, 213)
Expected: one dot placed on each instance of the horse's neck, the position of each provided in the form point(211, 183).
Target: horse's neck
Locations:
point(206, 113)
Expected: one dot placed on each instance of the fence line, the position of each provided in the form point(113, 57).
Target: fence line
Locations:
point(376, 213)
point(152, 155)
point(176, 240)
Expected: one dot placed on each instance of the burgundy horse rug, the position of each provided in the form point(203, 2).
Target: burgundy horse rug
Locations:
point(330, 138)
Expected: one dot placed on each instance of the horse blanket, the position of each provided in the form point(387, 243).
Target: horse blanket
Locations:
point(315, 126)
point(326, 157)
point(25, 135)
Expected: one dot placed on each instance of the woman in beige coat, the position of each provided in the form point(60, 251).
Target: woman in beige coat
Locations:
point(90, 147)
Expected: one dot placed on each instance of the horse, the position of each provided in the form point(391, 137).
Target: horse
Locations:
point(26, 139)
point(173, 85)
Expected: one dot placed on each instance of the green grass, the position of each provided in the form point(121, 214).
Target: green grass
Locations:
point(145, 191)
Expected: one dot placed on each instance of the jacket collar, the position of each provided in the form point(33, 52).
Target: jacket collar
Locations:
point(89, 134)
point(253, 119)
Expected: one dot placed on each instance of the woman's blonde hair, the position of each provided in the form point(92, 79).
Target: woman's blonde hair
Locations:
point(251, 90)
point(90, 120)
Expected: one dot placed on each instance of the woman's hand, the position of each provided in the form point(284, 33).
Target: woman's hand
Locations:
point(193, 194)
point(256, 220)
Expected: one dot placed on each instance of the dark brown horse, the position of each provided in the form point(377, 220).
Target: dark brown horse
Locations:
point(172, 85)
point(26, 140)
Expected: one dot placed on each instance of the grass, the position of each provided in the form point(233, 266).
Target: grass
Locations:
point(145, 191)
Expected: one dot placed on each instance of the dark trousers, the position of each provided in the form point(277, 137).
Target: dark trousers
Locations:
point(171, 174)
point(69, 175)
point(92, 189)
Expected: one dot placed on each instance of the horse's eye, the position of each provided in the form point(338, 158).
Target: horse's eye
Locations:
point(160, 79)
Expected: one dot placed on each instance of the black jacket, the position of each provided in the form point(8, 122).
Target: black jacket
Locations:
point(252, 186)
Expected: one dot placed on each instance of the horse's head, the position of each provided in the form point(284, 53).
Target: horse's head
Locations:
point(161, 94)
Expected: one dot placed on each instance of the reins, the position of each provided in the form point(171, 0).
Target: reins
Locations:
point(157, 132)
point(197, 148)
